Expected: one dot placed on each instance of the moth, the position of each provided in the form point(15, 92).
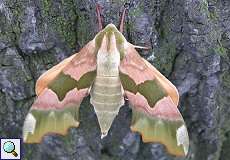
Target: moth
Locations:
point(108, 68)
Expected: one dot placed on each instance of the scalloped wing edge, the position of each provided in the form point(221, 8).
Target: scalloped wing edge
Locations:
point(49, 115)
point(163, 123)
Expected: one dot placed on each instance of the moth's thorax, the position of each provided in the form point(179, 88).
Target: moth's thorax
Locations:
point(110, 41)
point(108, 57)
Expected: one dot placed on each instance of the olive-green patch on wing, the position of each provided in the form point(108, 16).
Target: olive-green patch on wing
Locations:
point(63, 83)
point(86, 80)
point(49, 75)
point(150, 89)
point(127, 83)
point(172, 133)
point(140, 70)
point(41, 122)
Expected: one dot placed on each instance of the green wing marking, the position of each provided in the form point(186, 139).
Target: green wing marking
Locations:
point(86, 80)
point(150, 89)
point(172, 133)
point(64, 83)
point(42, 122)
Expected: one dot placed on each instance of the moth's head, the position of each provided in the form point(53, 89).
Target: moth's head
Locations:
point(110, 38)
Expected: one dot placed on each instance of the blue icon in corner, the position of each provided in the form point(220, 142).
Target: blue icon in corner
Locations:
point(10, 149)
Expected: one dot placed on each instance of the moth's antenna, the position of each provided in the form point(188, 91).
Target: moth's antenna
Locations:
point(98, 10)
point(122, 21)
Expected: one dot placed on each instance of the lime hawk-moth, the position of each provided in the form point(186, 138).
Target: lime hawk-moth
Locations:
point(108, 68)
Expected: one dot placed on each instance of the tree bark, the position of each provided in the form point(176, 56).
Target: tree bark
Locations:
point(190, 44)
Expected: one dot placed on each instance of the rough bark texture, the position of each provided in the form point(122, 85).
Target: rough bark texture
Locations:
point(190, 42)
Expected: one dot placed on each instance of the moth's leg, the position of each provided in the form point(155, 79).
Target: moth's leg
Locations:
point(122, 21)
point(98, 10)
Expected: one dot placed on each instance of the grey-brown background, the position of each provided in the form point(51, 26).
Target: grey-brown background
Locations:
point(190, 41)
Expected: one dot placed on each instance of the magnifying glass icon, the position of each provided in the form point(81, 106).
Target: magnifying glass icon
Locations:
point(9, 147)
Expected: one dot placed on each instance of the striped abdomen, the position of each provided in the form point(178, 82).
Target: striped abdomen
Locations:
point(107, 98)
point(106, 92)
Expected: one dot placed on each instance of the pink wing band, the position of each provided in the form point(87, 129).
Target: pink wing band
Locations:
point(164, 108)
point(48, 99)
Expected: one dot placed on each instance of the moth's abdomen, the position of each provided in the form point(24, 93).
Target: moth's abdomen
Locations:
point(107, 98)
point(106, 93)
